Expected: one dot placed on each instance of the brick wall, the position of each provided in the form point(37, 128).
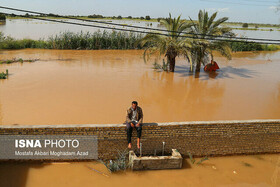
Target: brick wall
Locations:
point(199, 138)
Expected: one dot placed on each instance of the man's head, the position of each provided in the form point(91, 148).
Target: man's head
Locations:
point(134, 104)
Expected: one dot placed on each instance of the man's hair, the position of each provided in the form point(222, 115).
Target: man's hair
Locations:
point(135, 102)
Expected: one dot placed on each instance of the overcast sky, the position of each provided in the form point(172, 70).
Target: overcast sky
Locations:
point(257, 11)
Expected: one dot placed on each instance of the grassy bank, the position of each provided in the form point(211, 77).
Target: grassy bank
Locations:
point(103, 40)
point(243, 46)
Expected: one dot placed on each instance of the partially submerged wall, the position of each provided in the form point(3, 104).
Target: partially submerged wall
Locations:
point(199, 138)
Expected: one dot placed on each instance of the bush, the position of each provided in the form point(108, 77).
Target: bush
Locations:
point(245, 46)
point(271, 47)
point(2, 17)
point(4, 75)
point(252, 46)
point(121, 163)
point(148, 18)
point(164, 66)
point(245, 25)
point(119, 17)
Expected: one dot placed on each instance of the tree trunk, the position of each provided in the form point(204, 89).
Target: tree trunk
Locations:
point(199, 59)
point(198, 66)
point(171, 63)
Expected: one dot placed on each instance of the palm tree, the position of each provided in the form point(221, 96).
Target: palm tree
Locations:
point(205, 30)
point(171, 45)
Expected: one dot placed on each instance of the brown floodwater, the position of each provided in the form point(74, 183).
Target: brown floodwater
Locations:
point(96, 87)
point(85, 87)
point(232, 171)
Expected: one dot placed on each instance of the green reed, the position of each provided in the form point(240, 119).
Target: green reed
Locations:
point(96, 40)
point(70, 40)
point(103, 40)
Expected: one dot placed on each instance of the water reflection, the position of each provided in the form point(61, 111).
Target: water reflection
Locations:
point(223, 72)
point(181, 99)
point(274, 103)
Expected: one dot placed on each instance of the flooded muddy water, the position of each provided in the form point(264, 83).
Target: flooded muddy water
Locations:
point(232, 171)
point(96, 87)
point(86, 87)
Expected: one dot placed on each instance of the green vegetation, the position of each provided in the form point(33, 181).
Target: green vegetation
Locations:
point(95, 16)
point(244, 46)
point(121, 163)
point(245, 25)
point(172, 45)
point(247, 29)
point(202, 49)
point(252, 24)
point(16, 60)
point(104, 40)
point(2, 17)
point(4, 75)
point(193, 161)
point(125, 40)
point(69, 40)
point(7, 42)
point(164, 66)
point(96, 40)
point(197, 51)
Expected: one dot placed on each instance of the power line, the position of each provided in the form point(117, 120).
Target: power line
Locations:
point(142, 32)
point(138, 27)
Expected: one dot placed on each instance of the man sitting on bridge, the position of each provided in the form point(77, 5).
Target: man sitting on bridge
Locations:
point(134, 119)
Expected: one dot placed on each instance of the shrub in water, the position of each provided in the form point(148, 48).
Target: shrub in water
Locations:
point(4, 75)
point(121, 163)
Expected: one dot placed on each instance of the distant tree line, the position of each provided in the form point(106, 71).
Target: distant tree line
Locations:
point(120, 17)
point(95, 16)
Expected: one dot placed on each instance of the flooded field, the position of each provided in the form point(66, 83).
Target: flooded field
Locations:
point(85, 87)
point(37, 29)
point(232, 171)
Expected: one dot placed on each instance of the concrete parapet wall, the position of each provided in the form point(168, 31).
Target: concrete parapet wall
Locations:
point(212, 138)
